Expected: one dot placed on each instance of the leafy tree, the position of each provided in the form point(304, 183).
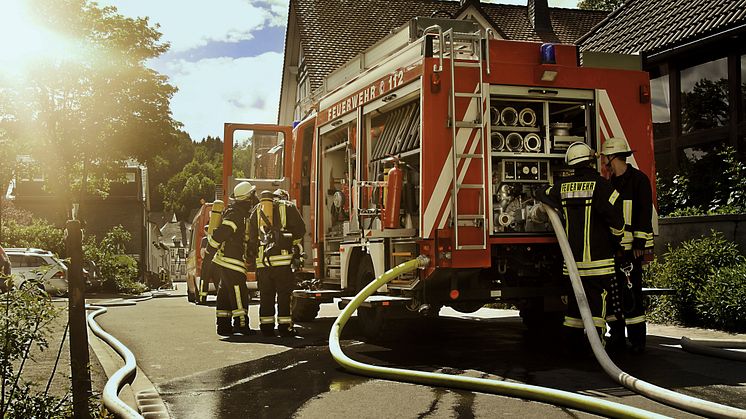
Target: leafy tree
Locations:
point(183, 192)
point(86, 113)
point(713, 183)
point(600, 4)
point(243, 160)
point(118, 270)
point(706, 106)
point(165, 164)
point(39, 234)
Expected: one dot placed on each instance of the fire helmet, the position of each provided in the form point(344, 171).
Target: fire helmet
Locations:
point(282, 194)
point(614, 146)
point(243, 191)
point(579, 152)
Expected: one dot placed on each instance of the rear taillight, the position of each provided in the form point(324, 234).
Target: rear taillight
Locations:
point(59, 275)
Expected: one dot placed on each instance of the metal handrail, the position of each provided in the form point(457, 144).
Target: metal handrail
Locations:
point(487, 33)
point(437, 68)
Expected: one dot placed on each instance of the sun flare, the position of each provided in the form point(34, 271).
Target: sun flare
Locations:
point(22, 41)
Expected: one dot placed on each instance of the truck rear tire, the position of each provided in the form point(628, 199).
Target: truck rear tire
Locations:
point(303, 310)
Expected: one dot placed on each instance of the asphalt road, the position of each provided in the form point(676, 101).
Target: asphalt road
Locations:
point(200, 375)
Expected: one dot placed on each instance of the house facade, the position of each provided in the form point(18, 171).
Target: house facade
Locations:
point(695, 53)
point(127, 204)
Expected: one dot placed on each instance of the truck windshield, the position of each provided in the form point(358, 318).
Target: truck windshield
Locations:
point(258, 154)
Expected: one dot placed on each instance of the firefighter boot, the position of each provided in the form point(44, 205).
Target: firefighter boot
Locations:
point(224, 326)
point(286, 330)
point(637, 337)
point(616, 342)
point(243, 327)
point(267, 329)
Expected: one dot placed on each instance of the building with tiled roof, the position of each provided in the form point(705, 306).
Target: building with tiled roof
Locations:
point(695, 52)
point(323, 35)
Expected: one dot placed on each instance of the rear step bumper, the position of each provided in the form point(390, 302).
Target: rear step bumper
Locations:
point(320, 296)
point(377, 301)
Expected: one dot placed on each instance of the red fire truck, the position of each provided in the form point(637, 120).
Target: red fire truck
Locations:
point(433, 142)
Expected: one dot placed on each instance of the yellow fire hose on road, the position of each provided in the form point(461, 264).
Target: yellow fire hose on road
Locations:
point(525, 391)
point(671, 398)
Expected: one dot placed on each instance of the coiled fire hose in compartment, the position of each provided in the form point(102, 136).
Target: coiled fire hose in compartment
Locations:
point(672, 398)
point(525, 391)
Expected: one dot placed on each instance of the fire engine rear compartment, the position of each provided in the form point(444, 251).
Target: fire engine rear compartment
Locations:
point(430, 131)
point(539, 131)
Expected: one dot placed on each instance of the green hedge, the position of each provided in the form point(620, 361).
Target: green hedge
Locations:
point(722, 301)
point(705, 274)
point(39, 234)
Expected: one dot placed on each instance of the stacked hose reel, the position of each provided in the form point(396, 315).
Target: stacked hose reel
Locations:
point(514, 141)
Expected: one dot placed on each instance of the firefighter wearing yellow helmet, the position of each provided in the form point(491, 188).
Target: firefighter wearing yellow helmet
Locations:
point(594, 226)
point(228, 245)
point(636, 196)
point(275, 229)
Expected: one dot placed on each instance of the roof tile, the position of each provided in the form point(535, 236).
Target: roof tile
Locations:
point(334, 31)
point(652, 26)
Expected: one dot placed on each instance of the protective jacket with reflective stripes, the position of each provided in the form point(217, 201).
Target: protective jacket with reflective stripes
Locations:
point(637, 204)
point(593, 219)
point(229, 238)
point(287, 222)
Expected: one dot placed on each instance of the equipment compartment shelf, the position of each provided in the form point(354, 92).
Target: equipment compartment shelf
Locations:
point(336, 147)
point(512, 128)
point(526, 155)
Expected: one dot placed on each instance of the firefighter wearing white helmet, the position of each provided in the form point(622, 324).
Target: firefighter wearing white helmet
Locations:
point(636, 196)
point(594, 226)
point(228, 244)
point(276, 228)
point(579, 152)
point(282, 194)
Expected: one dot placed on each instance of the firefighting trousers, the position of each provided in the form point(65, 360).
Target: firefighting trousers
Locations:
point(208, 274)
point(233, 298)
point(275, 283)
point(595, 288)
point(632, 313)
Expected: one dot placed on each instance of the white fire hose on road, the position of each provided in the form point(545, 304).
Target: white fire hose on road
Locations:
point(525, 391)
point(715, 347)
point(671, 398)
point(122, 376)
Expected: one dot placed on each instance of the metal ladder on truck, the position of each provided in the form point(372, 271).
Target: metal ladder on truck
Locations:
point(465, 53)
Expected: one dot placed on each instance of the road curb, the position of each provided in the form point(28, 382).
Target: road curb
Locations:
point(141, 394)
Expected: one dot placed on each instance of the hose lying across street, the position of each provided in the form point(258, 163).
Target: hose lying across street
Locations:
point(715, 347)
point(526, 391)
point(122, 376)
point(671, 398)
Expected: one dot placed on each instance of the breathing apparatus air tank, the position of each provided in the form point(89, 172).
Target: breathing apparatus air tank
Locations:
point(393, 197)
point(266, 205)
point(216, 216)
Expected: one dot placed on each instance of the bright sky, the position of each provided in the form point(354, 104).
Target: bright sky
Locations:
point(226, 57)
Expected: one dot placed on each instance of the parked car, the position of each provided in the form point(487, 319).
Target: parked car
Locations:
point(42, 265)
point(91, 274)
point(5, 269)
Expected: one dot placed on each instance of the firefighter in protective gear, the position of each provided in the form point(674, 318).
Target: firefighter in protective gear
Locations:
point(636, 196)
point(298, 255)
point(228, 245)
point(282, 194)
point(275, 228)
point(594, 227)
